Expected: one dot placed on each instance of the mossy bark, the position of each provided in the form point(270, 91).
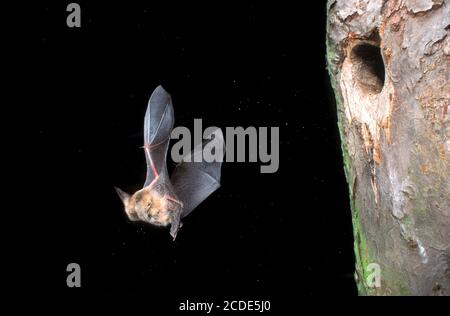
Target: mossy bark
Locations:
point(389, 64)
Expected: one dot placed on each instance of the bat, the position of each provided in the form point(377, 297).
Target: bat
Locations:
point(165, 200)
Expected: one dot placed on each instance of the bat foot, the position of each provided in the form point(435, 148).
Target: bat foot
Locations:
point(174, 231)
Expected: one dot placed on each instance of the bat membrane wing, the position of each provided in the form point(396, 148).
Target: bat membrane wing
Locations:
point(198, 175)
point(158, 124)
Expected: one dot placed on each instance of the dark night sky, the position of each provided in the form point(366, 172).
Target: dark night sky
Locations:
point(266, 236)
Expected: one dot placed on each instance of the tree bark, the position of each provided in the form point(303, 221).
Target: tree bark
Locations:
point(389, 67)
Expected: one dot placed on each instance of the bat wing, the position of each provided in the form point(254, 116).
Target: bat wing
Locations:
point(198, 175)
point(158, 124)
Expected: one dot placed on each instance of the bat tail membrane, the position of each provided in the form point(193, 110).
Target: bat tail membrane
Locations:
point(198, 175)
point(158, 124)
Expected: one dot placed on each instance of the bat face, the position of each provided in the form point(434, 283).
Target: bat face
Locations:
point(147, 205)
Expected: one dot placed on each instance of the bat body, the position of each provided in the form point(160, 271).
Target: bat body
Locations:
point(165, 200)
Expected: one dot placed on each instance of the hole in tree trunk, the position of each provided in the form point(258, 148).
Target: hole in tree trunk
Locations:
point(368, 67)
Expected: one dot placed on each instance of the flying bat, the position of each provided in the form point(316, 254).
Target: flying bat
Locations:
point(165, 200)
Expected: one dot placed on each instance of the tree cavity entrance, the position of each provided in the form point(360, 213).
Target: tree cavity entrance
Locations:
point(368, 67)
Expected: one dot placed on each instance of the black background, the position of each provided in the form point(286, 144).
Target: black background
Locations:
point(260, 236)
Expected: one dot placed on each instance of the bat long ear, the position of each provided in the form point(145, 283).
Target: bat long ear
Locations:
point(124, 196)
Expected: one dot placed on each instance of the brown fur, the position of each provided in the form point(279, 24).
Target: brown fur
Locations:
point(148, 206)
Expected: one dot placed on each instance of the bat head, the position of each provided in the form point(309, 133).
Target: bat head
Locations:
point(146, 205)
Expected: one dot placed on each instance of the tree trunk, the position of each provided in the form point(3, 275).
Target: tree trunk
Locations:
point(389, 67)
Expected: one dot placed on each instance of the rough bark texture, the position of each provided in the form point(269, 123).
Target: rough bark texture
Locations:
point(389, 67)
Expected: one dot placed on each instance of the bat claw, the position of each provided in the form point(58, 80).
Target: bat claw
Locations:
point(174, 230)
point(174, 235)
